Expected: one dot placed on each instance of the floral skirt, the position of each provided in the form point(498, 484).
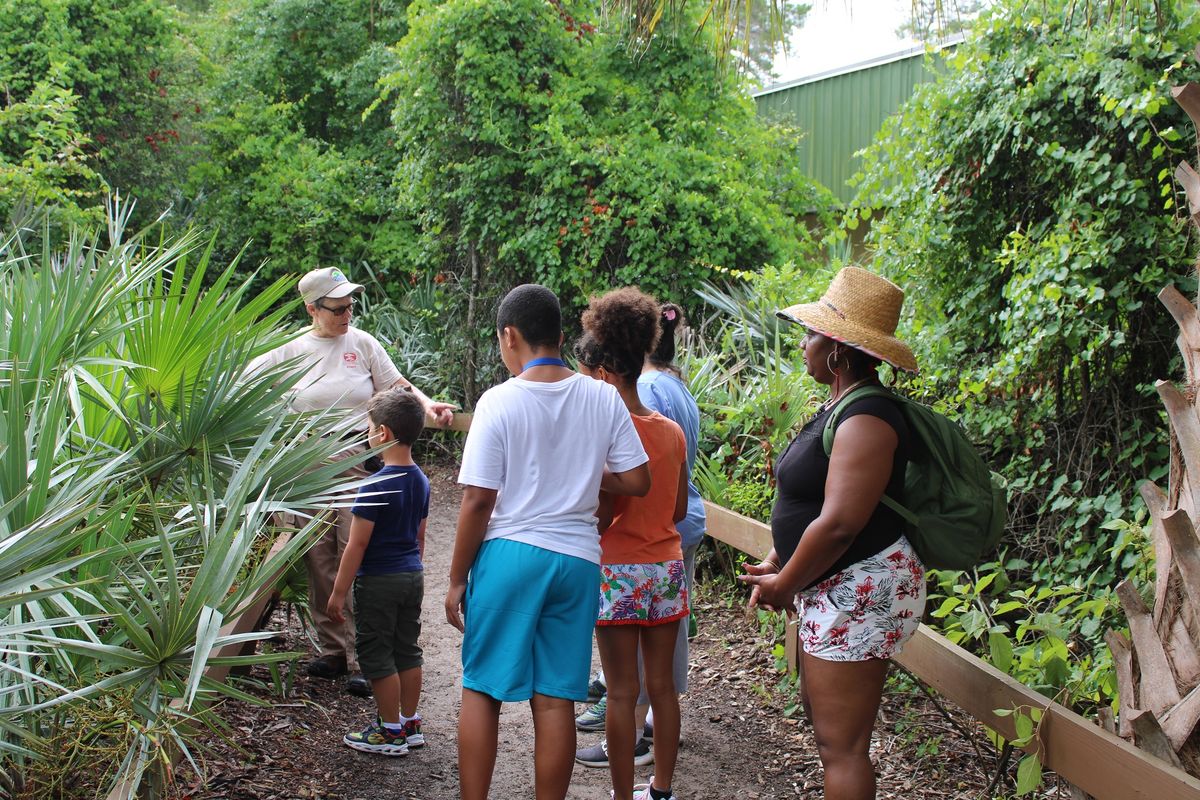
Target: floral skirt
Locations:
point(868, 610)
point(642, 594)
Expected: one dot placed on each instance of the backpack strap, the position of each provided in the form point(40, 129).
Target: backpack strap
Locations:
point(831, 427)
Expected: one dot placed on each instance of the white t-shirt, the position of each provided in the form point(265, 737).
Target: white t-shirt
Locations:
point(343, 372)
point(544, 447)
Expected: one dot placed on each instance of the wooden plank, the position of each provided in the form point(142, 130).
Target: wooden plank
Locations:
point(791, 647)
point(1103, 765)
point(461, 421)
point(745, 533)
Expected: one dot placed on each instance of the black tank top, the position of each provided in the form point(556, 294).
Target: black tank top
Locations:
point(800, 474)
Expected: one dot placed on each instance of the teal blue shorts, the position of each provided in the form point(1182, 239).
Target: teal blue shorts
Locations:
point(529, 615)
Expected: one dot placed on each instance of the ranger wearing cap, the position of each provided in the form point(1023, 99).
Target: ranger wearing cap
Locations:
point(343, 367)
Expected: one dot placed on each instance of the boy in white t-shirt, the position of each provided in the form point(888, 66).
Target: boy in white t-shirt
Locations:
point(525, 575)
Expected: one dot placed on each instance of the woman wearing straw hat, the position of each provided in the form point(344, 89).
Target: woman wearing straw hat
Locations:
point(840, 558)
point(344, 367)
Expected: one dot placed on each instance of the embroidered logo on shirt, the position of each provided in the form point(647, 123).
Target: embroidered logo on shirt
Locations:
point(350, 359)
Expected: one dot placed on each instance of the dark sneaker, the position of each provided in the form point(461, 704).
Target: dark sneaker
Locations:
point(596, 690)
point(328, 667)
point(593, 718)
point(643, 753)
point(376, 739)
point(413, 735)
point(358, 685)
point(597, 754)
point(648, 732)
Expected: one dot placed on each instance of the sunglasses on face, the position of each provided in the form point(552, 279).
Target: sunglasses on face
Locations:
point(337, 311)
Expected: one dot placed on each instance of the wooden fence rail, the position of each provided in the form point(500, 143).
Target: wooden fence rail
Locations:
point(1100, 763)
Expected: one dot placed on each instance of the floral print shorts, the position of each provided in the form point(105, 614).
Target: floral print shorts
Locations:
point(868, 610)
point(642, 594)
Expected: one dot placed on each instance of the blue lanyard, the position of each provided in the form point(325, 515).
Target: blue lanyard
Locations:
point(544, 362)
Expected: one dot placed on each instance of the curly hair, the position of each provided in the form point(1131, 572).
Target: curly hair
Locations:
point(620, 329)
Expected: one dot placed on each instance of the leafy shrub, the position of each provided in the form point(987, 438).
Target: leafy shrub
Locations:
point(1027, 202)
point(534, 146)
point(122, 63)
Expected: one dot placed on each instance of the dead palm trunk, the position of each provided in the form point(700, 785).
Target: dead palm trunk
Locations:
point(1158, 665)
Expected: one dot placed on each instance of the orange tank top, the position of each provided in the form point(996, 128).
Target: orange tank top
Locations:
point(643, 528)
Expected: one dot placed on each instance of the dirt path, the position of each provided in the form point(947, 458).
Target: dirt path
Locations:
point(737, 741)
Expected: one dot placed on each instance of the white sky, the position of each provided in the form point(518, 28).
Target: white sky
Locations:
point(842, 32)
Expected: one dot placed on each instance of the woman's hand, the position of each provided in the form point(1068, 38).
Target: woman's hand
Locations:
point(442, 413)
point(767, 590)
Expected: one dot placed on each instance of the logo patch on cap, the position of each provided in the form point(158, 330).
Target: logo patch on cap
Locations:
point(336, 275)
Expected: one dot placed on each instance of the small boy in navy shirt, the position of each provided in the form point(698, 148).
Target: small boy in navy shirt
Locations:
point(382, 561)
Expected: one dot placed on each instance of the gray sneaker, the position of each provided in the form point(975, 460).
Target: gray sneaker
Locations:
point(597, 754)
point(593, 718)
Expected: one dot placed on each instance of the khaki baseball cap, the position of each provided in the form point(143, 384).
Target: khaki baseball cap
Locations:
point(327, 282)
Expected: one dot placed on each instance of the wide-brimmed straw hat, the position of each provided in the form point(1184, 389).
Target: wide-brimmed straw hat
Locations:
point(860, 309)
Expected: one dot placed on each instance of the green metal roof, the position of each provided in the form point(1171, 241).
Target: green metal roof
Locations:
point(842, 110)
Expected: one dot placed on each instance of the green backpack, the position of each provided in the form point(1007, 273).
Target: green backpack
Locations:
point(955, 507)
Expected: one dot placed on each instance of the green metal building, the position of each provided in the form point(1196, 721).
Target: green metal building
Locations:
point(840, 111)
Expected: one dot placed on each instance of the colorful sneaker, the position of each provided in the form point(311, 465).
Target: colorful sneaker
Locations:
point(593, 718)
point(376, 739)
point(413, 735)
point(642, 791)
point(597, 754)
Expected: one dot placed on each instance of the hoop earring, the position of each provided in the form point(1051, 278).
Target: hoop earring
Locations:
point(830, 360)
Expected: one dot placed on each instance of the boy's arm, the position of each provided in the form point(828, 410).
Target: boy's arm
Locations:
point(360, 536)
point(634, 482)
point(473, 517)
point(604, 512)
point(421, 539)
